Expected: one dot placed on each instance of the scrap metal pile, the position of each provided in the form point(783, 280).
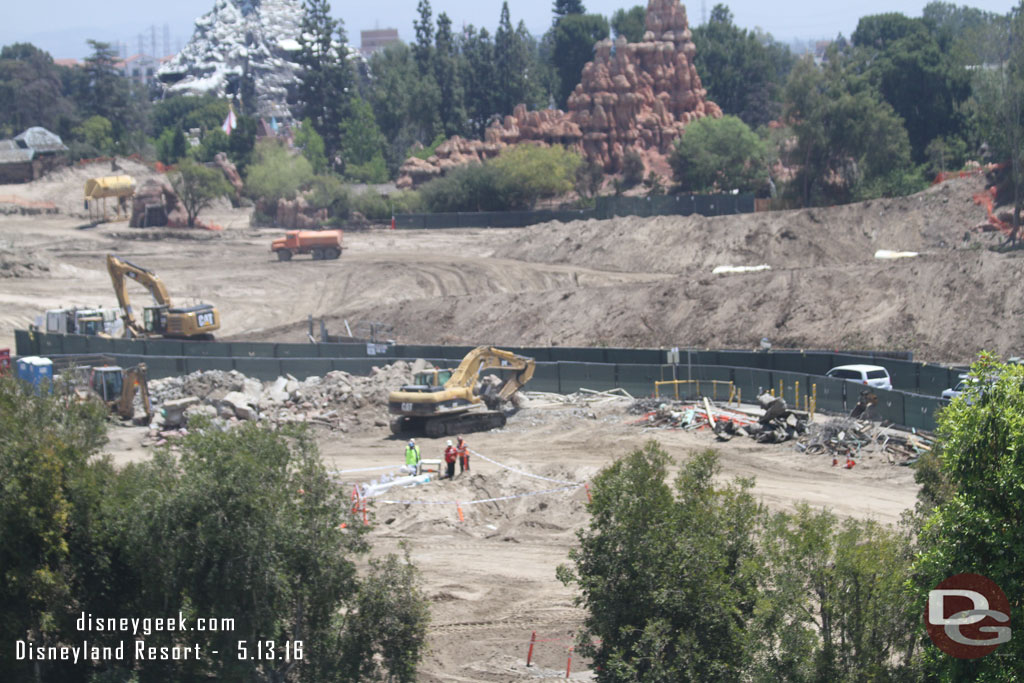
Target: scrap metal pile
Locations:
point(845, 439)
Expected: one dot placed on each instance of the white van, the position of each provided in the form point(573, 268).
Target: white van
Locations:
point(873, 375)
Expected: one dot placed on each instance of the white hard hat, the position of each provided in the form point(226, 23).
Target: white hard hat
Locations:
point(449, 442)
point(412, 442)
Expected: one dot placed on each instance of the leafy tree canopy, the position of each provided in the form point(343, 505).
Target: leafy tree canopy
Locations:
point(719, 155)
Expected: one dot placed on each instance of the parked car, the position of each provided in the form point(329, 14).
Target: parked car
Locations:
point(873, 375)
point(961, 387)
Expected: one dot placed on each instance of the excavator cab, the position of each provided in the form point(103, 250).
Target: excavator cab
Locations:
point(92, 325)
point(108, 382)
point(429, 379)
point(154, 319)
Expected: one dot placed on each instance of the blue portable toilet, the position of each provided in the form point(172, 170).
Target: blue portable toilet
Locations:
point(44, 373)
point(25, 368)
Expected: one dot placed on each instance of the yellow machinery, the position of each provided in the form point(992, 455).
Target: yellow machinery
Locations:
point(97, 190)
point(448, 401)
point(195, 322)
point(117, 387)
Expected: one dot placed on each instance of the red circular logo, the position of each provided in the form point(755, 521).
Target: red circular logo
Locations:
point(967, 616)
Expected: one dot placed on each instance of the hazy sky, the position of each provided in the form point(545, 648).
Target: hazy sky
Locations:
point(62, 26)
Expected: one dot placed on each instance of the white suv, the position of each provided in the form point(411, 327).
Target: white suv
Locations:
point(873, 375)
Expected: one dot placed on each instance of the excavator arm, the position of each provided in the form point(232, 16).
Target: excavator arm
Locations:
point(134, 381)
point(120, 270)
point(486, 357)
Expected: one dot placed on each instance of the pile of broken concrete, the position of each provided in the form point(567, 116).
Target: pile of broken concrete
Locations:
point(338, 400)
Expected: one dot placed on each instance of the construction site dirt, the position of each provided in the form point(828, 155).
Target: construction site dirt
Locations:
point(624, 282)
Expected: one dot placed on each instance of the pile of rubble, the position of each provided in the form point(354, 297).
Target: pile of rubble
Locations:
point(338, 400)
point(774, 425)
point(850, 439)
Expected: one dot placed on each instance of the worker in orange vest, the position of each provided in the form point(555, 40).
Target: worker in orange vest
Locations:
point(462, 450)
point(449, 459)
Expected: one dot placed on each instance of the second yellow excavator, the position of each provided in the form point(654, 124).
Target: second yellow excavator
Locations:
point(450, 402)
point(194, 322)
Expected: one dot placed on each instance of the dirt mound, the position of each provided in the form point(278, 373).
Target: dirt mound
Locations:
point(935, 219)
point(22, 263)
point(65, 187)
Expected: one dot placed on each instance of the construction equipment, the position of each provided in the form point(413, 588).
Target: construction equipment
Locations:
point(117, 386)
point(101, 322)
point(119, 187)
point(195, 322)
point(323, 244)
point(450, 401)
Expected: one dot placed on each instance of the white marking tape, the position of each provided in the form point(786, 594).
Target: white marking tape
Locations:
point(365, 469)
point(525, 474)
point(475, 502)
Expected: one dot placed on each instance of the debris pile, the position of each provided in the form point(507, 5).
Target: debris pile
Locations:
point(338, 400)
point(777, 423)
point(850, 439)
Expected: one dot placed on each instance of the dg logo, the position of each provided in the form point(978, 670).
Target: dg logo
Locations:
point(968, 616)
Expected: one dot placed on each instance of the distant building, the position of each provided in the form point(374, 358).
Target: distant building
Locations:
point(29, 155)
point(141, 68)
point(377, 39)
point(70, 63)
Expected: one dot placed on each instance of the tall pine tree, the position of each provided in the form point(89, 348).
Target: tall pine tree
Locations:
point(446, 71)
point(327, 82)
point(510, 59)
point(565, 7)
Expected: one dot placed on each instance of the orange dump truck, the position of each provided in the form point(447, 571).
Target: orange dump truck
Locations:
point(323, 244)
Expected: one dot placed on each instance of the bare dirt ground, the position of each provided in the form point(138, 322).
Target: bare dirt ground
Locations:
point(630, 281)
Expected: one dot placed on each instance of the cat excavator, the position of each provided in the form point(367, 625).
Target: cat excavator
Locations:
point(455, 401)
point(117, 387)
point(163, 320)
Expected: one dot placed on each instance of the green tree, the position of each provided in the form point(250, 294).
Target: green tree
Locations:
point(31, 89)
point(574, 37)
point(395, 76)
point(276, 173)
point(97, 133)
point(631, 23)
point(833, 604)
point(479, 71)
point(45, 445)
point(998, 112)
point(214, 142)
point(744, 72)
point(197, 186)
point(564, 8)
point(242, 141)
point(719, 155)
point(980, 448)
point(327, 81)
point(844, 131)
point(632, 168)
point(363, 145)
point(423, 48)
point(452, 112)
point(915, 74)
point(312, 146)
point(527, 173)
point(512, 60)
point(668, 575)
point(108, 94)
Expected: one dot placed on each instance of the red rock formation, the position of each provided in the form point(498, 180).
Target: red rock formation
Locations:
point(637, 96)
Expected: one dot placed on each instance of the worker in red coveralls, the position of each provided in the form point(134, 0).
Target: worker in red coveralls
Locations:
point(462, 450)
point(449, 459)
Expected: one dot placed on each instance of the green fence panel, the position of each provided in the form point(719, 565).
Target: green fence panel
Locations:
point(130, 346)
point(354, 366)
point(263, 369)
point(51, 344)
point(638, 379)
point(640, 356)
point(296, 351)
point(545, 378)
point(25, 343)
point(252, 349)
point(702, 357)
point(578, 355)
point(789, 361)
point(163, 366)
point(890, 405)
point(597, 376)
point(830, 394)
point(472, 220)
point(99, 345)
point(409, 221)
point(342, 350)
point(794, 386)
point(197, 363)
point(76, 344)
point(851, 359)
point(921, 411)
point(932, 380)
point(440, 220)
point(130, 360)
point(539, 354)
point(745, 359)
point(210, 349)
point(903, 373)
point(745, 203)
point(164, 347)
point(751, 381)
point(301, 368)
point(816, 363)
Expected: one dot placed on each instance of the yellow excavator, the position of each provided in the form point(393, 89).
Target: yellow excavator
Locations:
point(117, 387)
point(195, 322)
point(451, 402)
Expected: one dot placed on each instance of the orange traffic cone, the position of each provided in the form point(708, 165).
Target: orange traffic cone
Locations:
point(835, 461)
point(392, 222)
